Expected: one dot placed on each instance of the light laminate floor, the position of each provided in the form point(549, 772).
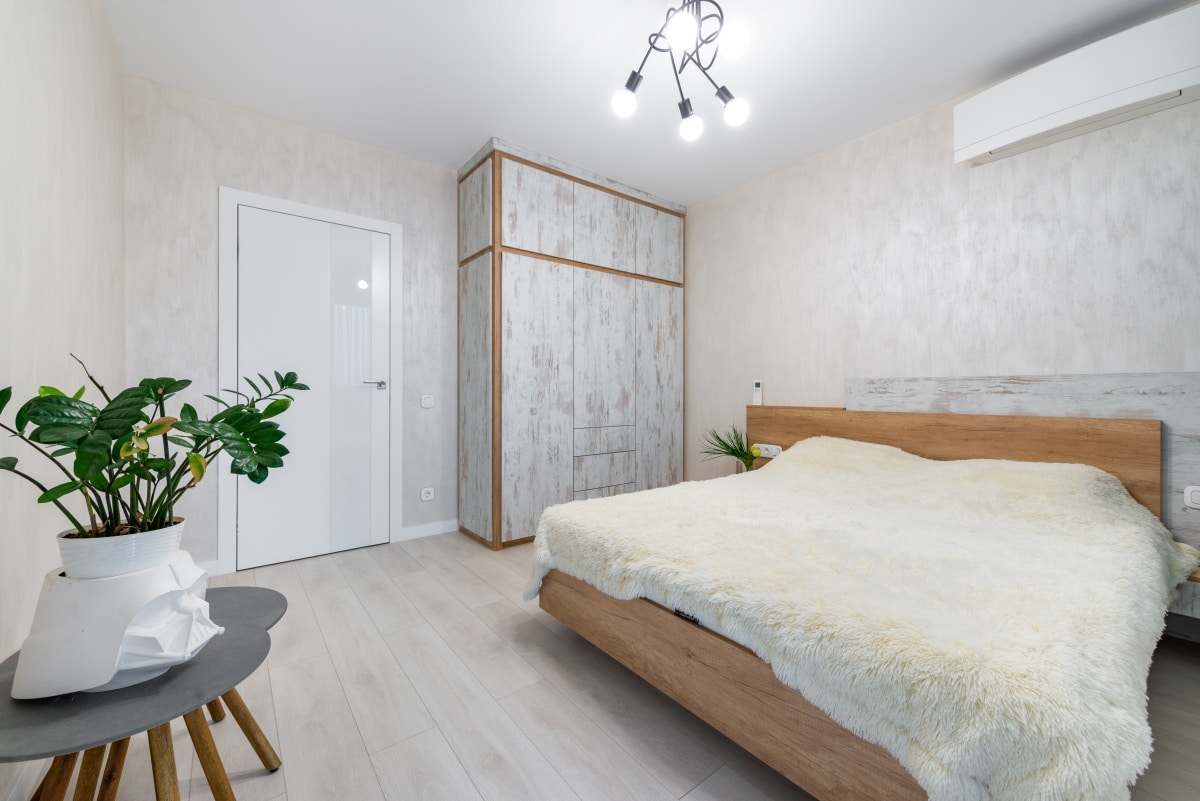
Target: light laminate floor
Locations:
point(414, 672)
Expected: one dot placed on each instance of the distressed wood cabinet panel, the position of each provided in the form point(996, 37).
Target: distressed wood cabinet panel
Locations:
point(475, 211)
point(605, 343)
point(1169, 397)
point(659, 385)
point(536, 389)
point(475, 396)
point(659, 244)
point(605, 470)
point(537, 210)
point(604, 492)
point(605, 229)
point(607, 439)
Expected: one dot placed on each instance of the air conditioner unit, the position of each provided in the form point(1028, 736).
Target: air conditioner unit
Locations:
point(1148, 68)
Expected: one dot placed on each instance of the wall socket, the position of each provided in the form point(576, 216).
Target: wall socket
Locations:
point(768, 451)
point(1191, 497)
point(427, 493)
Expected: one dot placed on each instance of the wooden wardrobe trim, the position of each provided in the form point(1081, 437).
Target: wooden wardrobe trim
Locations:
point(497, 365)
point(581, 265)
point(592, 184)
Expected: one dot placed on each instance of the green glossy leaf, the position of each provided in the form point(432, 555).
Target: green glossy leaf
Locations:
point(290, 378)
point(158, 464)
point(125, 411)
point(79, 392)
point(62, 452)
point(279, 378)
point(8, 463)
point(54, 493)
point(218, 400)
point(266, 381)
point(271, 447)
point(181, 442)
point(188, 412)
point(46, 392)
point(259, 475)
point(253, 386)
point(93, 455)
point(120, 482)
point(198, 428)
point(299, 386)
point(5, 397)
point(51, 410)
point(268, 459)
point(55, 434)
point(276, 407)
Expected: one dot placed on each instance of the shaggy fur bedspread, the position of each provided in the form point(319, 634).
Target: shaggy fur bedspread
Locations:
point(989, 623)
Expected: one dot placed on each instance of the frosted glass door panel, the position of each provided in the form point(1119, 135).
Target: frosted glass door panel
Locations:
point(312, 298)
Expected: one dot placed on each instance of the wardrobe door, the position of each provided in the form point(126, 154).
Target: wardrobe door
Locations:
point(537, 210)
point(659, 237)
point(475, 396)
point(605, 376)
point(536, 391)
point(659, 398)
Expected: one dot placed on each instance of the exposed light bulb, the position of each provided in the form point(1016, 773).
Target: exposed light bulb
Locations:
point(691, 128)
point(734, 40)
point(363, 285)
point(681, 31)
point(736, 111)
point(624, 103)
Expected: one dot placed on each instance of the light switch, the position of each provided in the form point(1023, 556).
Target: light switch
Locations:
point(1191, 497)
point(426, 401)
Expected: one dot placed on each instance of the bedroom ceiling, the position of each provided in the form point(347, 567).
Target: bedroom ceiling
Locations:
point(434, 80)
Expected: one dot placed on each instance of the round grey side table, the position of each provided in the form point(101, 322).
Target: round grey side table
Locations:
point(67, 724)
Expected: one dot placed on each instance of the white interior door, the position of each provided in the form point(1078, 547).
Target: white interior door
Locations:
point(312, 297)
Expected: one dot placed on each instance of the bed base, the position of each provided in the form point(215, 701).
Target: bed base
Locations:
point(732, 690)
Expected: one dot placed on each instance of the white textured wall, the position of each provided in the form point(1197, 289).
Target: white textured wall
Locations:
point(181, 148)
point(883, 258)
point(61, 252)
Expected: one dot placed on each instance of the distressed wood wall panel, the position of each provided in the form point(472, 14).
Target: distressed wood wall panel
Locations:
point(659, 385)
point(605, 470)
point(605, 344)
point(475, 396)
point(537, 210)
point(659, 244)
point(536, 374)
point(607, 439)
point(1173, 398)
point(605, 229)
point(475, 211)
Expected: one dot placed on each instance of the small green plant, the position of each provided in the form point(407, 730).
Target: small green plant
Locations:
point(130, 461)
point(731, 443)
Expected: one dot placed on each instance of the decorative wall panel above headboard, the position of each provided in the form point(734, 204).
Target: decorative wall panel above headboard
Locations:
point(1173, 398)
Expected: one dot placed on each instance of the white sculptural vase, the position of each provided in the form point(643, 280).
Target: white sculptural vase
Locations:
point(103, 557)
point(106, 633)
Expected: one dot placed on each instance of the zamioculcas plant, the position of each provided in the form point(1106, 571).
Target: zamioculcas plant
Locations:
point(130, 461)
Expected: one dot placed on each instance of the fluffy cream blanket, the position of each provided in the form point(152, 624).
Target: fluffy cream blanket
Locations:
point(989, 623)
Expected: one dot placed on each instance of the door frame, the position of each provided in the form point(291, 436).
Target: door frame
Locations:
point(228, 201)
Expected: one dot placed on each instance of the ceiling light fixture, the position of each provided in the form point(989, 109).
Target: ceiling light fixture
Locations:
point(688, 36)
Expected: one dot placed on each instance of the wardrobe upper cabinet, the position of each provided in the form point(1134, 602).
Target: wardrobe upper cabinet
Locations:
point(537, 210)
point(659, 247)
point(605, 229)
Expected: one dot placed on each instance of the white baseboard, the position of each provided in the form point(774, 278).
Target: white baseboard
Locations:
point(26, 780)
point(426, 530)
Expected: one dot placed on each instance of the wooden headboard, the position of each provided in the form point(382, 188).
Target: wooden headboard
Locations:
point(1129, 449)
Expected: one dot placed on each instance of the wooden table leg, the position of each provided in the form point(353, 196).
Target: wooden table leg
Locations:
point(249, 726)
point(210, 760)
point(111, 780)
point(57, 779)
point(89, 774)
point(216, 710)
point(162, 763)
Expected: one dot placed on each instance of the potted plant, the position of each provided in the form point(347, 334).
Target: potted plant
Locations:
point(732, 443)
point(130, 462)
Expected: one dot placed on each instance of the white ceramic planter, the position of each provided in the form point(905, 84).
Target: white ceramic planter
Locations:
point(104, 557)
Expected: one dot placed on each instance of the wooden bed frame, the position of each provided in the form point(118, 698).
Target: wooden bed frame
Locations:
point(733, 690)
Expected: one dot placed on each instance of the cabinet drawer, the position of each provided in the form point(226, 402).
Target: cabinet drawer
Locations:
point(606, 439)
point(605, 470)
point(604, 492)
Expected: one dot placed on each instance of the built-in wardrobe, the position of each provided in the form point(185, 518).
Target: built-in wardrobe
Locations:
point(570, 340)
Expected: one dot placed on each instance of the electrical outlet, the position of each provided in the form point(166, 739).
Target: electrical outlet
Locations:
point(427, 493)
point(1191, 497)
point(768, 451)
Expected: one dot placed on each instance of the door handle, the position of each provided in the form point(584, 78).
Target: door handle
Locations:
point(378, 384)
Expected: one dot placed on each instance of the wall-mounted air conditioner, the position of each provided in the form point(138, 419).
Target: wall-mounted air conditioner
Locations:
point(1148, 68)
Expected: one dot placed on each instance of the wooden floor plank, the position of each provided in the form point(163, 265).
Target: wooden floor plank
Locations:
point(386, 603)
point(498, 757)
point(464, 584)
point(296, 636)
point(423, 768)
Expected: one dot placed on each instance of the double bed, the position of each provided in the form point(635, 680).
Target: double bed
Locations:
point(877, 625)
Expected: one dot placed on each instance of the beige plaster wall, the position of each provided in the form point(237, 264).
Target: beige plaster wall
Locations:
point(884, 258)
point(181, 148)
point(61, 253)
